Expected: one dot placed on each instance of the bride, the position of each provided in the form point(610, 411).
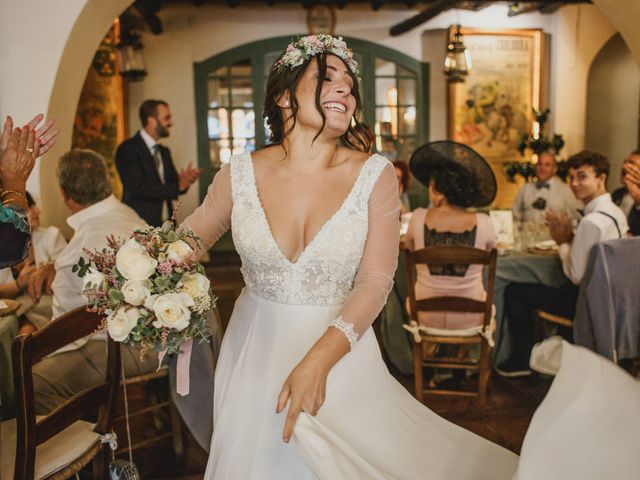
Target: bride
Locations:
point(301, 390)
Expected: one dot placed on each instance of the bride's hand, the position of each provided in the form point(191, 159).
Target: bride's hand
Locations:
point(305, 391)
point(305, 386)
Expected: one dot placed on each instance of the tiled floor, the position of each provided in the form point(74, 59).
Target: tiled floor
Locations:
point(510, 405)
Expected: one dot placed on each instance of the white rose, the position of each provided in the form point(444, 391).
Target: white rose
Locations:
point(148, 302)
point(135, 292)
point(133, 261)
point(94, 278)
point(121, 322)
point(172, 310)
point(177, 251)
point(195, 284)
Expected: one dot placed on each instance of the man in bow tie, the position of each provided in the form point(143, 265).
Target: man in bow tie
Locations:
point(149, 178)
point(548, 192)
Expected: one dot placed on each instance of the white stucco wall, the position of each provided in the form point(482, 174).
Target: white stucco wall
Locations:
point(46, 47)
point(195, 33)
point(612, 105)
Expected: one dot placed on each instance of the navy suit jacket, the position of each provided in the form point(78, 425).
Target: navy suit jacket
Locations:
point(142, 189)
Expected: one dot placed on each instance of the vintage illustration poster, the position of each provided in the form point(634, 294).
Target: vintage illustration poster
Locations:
point(492, 109)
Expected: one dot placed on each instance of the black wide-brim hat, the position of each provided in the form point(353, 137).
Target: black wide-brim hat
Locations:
point(435, 154)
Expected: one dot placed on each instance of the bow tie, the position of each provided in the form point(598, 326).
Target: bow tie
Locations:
point(540, 185)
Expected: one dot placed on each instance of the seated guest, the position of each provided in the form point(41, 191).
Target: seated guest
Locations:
point(632, 187)
point(402, 174)
point(548, 192)
point(457, 178)
point(46, 244)
point(19, 148)
point(602, 221)
point(620, 195)
point(96, 213)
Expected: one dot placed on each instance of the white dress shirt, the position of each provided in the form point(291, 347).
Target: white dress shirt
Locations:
point(557, 197)
point(91, 227)
point(48, 243)
point(594, 228)
point(151, 145)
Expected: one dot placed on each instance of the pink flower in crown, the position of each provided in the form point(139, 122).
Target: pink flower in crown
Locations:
point(166, 268)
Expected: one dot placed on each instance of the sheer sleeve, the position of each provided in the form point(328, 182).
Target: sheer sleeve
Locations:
point(374, 279)
point(213, 217)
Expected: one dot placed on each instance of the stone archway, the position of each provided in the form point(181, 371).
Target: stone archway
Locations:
point(92, 23)
point(613, 96)
point(625, 17)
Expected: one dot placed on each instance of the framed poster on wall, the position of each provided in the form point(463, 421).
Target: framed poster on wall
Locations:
point(492, 109)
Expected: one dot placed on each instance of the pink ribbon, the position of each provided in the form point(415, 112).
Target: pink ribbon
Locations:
point(182, 367)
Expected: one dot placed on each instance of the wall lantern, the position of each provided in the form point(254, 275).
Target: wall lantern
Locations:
point(130, 57)
point(458, 62)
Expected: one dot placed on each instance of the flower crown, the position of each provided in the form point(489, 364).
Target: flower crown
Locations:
point(306, 47)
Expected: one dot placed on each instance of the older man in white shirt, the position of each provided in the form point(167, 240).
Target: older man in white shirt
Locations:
point(547, 193)
point(96, 213)
point(602, 221)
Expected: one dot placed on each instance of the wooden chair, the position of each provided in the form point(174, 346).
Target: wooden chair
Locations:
point(166, 419)
point(540, 317)
point(456, 255)
point(59, 444)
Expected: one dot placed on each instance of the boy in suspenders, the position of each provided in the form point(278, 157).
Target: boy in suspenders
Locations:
point(602, 220)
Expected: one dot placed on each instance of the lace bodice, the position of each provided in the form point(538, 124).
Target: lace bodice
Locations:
point(433, 237)
point(324, 272)
point(350, 262)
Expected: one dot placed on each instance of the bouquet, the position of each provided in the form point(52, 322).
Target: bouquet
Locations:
point(154, 294)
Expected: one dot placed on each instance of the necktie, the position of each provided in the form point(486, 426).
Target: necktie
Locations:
point(540, 185)
point(157, 155)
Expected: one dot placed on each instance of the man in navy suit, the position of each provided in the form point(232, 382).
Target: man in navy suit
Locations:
point(149, 178)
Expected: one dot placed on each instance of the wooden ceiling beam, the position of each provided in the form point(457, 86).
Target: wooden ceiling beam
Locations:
point(474, 5)
point(518, 8)
point(436, 8)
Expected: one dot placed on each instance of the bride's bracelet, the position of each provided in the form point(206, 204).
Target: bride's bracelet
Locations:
point(346, 329)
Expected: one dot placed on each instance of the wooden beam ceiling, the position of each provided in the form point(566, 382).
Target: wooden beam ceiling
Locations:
point(439, 6)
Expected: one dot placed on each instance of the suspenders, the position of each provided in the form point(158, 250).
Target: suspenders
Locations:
point(614, 221)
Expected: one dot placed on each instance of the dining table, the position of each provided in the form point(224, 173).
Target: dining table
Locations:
point(522, 267)
point(541, 267)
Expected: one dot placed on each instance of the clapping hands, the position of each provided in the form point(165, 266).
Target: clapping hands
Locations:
point(188, 176)
point(631, 172)
point(560, 227)
point(631, 178)
point(19, 148)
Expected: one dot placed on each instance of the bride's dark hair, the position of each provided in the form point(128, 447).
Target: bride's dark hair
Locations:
point(283, 79)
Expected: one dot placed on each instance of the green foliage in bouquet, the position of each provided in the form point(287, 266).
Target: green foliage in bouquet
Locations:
point(153, 292)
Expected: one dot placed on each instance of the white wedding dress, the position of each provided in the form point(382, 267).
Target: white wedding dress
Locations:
point(369, 427)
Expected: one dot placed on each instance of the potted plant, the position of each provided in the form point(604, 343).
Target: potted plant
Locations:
point(535, 144)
